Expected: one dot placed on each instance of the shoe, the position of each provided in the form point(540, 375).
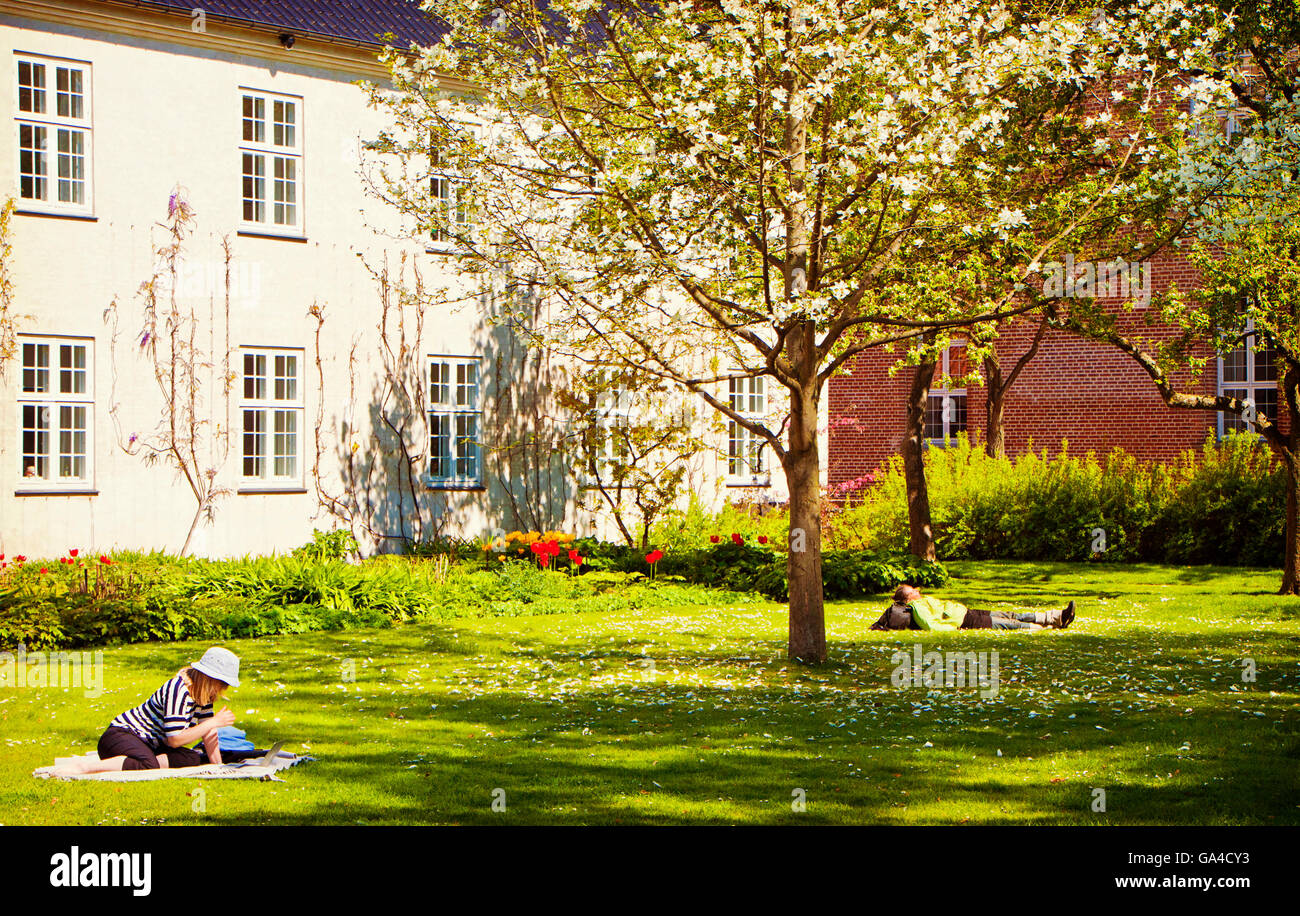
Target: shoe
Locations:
point(1067, 616)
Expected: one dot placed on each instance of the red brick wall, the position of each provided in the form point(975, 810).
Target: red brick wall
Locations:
point(1088, 393)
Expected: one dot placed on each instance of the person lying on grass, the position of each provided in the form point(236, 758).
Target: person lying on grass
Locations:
point(913, 611)
point(157, 733)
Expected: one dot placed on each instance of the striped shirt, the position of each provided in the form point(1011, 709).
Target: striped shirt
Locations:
point(170, 710)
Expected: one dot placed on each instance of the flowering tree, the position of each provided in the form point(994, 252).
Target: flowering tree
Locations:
point(715, 191)
point(1239, 153)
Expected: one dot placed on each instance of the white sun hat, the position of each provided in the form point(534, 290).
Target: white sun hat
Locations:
point(221, 664)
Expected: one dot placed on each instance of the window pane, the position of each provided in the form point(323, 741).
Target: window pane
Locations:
point(69, 94)
point(36, 441)
point(1266, 403)
point(254, 446)
point(286, 443)
point(1234, 365)
point(956, 414)
point(466, 385)
point(72, 441)
point(31, 87)
point(466, 445)
point(439, 445)
point(439, 383)
point(36, 368)
point(958, 365)
point(286, 378)
point(285, 133)
point(286, 191)
point(72, 369)
point(254, 376)
point(254, 119)
point(33, 166)
point(1265, 360)
point(934, 417)
point(254, 188)
point(72, 166)
point(1234, 421)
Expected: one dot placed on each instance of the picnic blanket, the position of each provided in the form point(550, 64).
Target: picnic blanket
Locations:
point(240, 765)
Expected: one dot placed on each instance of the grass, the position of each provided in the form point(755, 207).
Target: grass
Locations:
point(692, 715)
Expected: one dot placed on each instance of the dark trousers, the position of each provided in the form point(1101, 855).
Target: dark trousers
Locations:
point(122, 742)
point(997, 620)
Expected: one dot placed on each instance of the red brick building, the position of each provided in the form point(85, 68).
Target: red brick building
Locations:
point(1090, 394)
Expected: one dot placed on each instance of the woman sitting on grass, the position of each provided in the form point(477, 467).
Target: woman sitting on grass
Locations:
point(157, 733)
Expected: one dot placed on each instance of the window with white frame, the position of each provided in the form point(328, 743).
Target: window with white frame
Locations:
point(271, 162)
point(454, 418)
point(1249, 372)
point(945, 409)
point(746, 450)
point(450, 196)
point(54, 134)
point(611, 420)
point(1228, 121)
point(55, 412)
point(271, 410)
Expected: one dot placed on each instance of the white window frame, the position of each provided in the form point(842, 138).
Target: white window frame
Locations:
point(56, 127)
point(612, 412)
point(1228, 120)
point(1247, 389)
point(449, 193)
point(947, 401)
point(456, 405)
point(275, 154)
point(747, 453)
point(53, 400)
point(272, 407)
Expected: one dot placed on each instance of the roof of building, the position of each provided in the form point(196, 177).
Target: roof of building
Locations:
point(360, 21)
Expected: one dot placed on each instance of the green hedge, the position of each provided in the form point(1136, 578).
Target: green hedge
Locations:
point(164, 600)
point(1224, 505)
point(749, 567)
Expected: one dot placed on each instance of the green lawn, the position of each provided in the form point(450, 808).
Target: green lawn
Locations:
point(693, 715)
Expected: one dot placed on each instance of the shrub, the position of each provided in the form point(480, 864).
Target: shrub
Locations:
point(1224, 505)
point(328, 545)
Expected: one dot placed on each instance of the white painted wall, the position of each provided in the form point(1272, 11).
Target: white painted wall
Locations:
point(166, 113)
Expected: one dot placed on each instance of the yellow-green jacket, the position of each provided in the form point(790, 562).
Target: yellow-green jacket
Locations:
point(937, 614)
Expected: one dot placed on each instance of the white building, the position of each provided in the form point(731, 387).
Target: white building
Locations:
point(247, 113)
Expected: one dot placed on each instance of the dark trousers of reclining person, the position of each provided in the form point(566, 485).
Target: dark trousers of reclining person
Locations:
point(937, 614)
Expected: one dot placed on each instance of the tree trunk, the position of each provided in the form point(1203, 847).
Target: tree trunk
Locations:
point(1291, 548)
point(802, 464)
point(995, 434)
point(918, 495)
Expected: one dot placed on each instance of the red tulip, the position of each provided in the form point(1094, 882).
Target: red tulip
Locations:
point(535, 547)
point(105, 560)
point(44, 570)
point(737, 539)
point(654, 557)
point(553, 547)
point(713, 539)
point(72, 552)
point(20, 559)
point(574, 558)
point(762, 539)
point(545, 560)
